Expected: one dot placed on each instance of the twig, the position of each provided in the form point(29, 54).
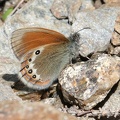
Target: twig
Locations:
point(98, 113)
point(16, 7)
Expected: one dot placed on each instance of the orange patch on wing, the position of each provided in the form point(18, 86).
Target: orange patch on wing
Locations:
point(31, 40)
point(27, 39)
point(46, 82)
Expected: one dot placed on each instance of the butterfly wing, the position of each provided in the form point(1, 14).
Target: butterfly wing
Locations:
point(25, 39)
point(41, 63)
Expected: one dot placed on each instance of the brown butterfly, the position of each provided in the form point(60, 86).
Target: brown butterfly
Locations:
point(43, 54)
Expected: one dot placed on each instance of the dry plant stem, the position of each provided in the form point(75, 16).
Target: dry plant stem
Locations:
point(16, 7)
point(98, 113)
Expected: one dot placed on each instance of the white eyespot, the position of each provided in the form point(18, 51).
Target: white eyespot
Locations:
point(33, 71)
point(34, 76)
point(30, 71)
point(27, 66)
point(37, 52)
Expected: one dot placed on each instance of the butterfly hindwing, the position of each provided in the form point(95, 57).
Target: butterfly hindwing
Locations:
point(44, 65)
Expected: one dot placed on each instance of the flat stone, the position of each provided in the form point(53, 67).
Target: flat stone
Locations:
point(14, 110)
point(6, 93)
point(111, 1)
point(101, 26)
point(65, 8)
point(113, 103)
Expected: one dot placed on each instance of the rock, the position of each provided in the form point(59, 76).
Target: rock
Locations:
point(116, 51)
point(56, 102)
point(65, 9)
point(6, 93)
point(101, 23)
point(117, 23)
point(87, 84)
point(59, 9)
point(116, 39)
point(68, 9)
point(49, 101)
point(35, 13)
point(116, 34)
point(91, 40)
point(13, 110)
point(7, 65)
point(111, 1)
point(87, 5)
point(113, 50)
point(113, 103)
point(98, 3)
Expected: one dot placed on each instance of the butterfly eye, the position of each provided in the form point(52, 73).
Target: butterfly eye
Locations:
point(27, 66)
point(30, 71)
point(34, 76)
point(37, 52)
point(30, 60)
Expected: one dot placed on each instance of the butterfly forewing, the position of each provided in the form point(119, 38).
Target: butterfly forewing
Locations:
point(26, 39)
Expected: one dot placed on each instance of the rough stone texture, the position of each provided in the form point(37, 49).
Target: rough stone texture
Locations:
point(59, 8)
point(86, 84)
point(116, 39)
point(111, 1)
point(7, 65)
point(13, 110)
point(98, 3)
point(117, 24)
point(86, 118)
point(49, 101)
point(87, 5)
point(6, 93)
point(69, 8)
point(113, 103)
point(114, 50)
point(116, 34)
point(65, 8)
point(101, 23)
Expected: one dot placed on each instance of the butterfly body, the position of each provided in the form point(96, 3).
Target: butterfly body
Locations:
point(43, 54)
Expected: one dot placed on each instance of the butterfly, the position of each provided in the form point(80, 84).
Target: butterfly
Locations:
point(43, 54)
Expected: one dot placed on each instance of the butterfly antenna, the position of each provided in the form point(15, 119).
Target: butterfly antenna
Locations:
point(83, 29)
